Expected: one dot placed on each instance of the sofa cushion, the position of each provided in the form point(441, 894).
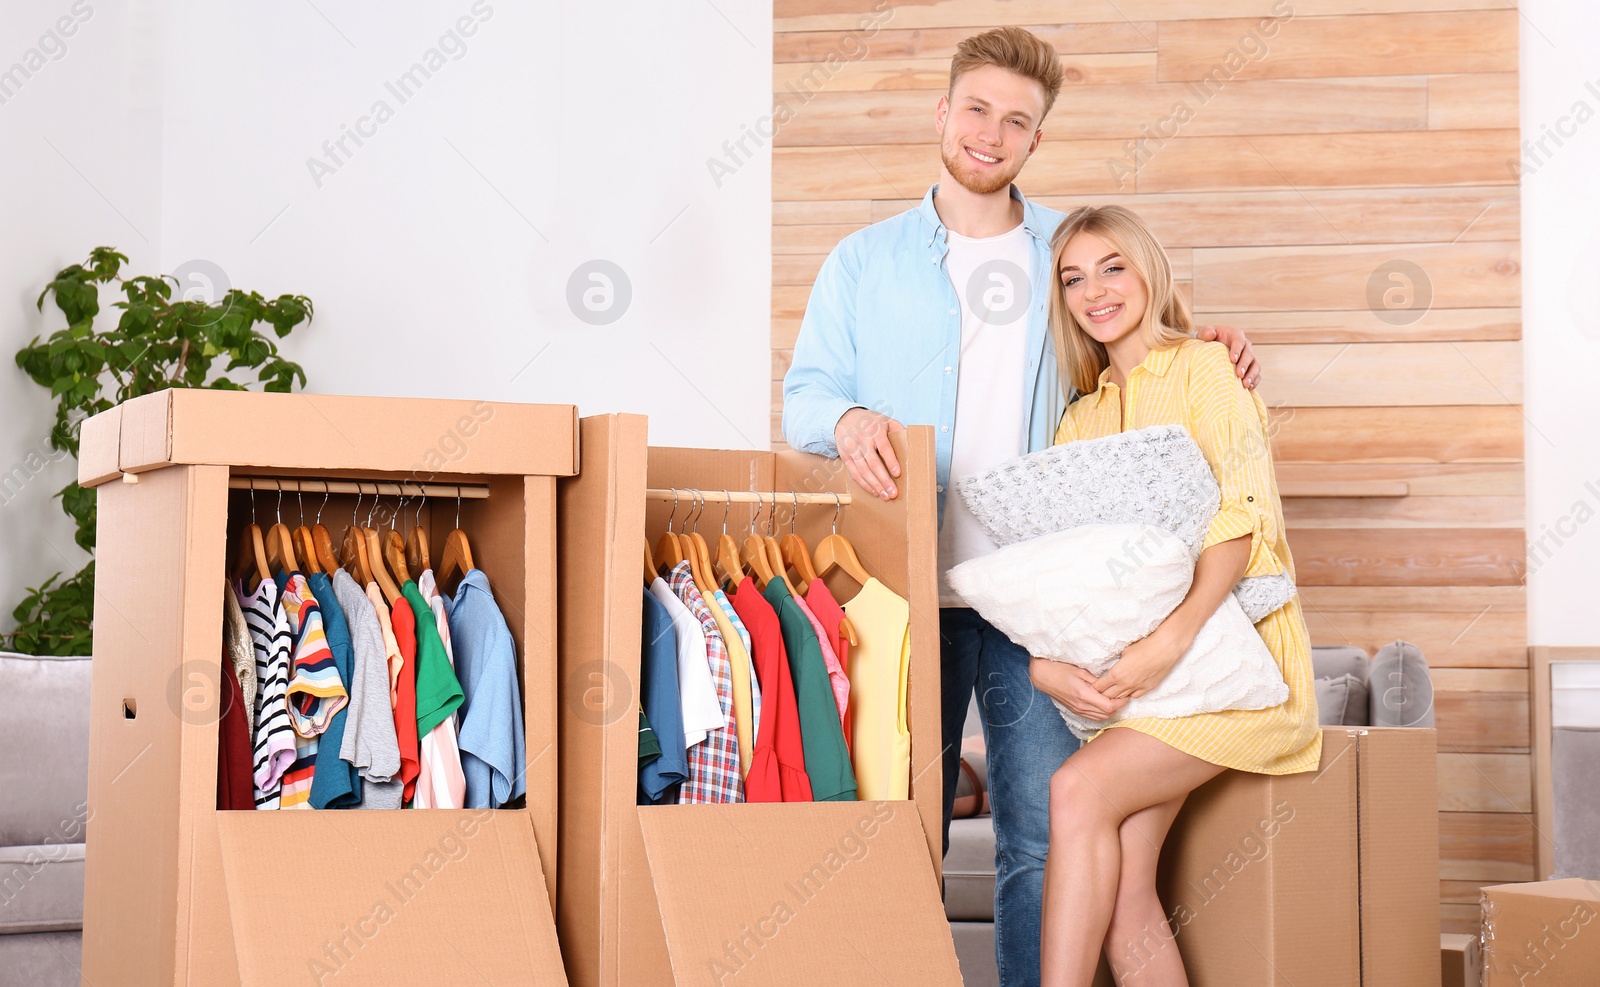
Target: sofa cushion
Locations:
point(44, 749)
point(44, 959)
point(1341, 701)
point(975, 950)
point(41, 888)
point(1402, 687)
point(1332, 661)
point(969, 870)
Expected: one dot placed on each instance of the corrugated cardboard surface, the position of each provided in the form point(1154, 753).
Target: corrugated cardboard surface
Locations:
point(1399, 856)
point(385, 898)
point(611, 927)
point(99, 445)
point(420, 438)
point(761, 895)
point(1543, 933)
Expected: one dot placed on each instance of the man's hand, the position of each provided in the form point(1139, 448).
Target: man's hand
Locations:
point(863, 440)
point(1073, 687)
point(1239, 351)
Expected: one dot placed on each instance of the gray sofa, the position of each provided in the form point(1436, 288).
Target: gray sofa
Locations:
point(44, 781)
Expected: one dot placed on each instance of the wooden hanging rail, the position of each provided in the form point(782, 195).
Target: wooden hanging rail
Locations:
point(765, 497)
point(369, 488)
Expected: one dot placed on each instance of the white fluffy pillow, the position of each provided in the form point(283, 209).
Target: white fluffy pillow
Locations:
point(1085, 594)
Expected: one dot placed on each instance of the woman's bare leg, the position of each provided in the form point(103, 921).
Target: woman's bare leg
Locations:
point(1139, 943)
point(1116, 775)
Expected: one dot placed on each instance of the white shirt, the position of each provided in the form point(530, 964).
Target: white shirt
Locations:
point(991, 277)
point(697, 694)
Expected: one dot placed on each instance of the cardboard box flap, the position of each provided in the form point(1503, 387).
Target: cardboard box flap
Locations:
point(822, 893)
point(385, 898)
point(341, 432)
point(99, 442)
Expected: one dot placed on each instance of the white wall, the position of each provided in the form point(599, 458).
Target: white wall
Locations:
point(1561, 318)
point(438, 252)
point(80, 124)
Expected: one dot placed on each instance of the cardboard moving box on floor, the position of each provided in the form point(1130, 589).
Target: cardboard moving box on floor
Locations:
point(1542, 934)
point(1460, 962)
point(177, 892)
point(1327, 877)
point(754, 894)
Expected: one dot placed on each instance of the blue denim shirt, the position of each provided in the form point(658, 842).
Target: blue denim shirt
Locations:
point(882, 330)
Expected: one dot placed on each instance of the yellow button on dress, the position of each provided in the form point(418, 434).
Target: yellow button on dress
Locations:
point(1193, 384)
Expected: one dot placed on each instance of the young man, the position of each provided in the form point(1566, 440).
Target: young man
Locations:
point(956, 291)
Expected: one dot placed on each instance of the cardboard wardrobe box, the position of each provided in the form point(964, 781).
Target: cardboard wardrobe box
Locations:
point(753, 894)
point(1326, 877)
point(178, 892)
point(1542, 933)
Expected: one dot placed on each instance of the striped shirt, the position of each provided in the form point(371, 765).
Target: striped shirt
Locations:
point(714, 774)
point(315, 691)
point(1193, 384)
point(274, 737)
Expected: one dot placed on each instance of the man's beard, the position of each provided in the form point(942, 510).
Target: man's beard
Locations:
point(963, 171)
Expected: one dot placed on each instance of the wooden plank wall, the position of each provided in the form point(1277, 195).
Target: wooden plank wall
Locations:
point(1369, 132)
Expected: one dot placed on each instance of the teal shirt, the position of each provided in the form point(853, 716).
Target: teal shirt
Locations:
point(821, 735)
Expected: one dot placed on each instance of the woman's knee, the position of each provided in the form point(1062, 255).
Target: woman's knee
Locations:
point(1075, 801)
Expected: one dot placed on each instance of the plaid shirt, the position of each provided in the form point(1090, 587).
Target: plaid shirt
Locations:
point(714, 762)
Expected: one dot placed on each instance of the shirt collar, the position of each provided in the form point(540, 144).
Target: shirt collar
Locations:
point(1156, 362)
point(1030, 216)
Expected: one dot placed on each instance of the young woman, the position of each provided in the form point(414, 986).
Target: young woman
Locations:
point(1122, 336)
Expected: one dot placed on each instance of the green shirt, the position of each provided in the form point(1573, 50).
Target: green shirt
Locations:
point(821, 736)
point(438, 691)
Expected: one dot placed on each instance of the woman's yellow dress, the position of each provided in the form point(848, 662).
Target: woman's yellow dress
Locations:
point(1193, 384)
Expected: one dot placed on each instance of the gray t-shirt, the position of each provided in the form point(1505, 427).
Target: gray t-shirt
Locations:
point(369, 738)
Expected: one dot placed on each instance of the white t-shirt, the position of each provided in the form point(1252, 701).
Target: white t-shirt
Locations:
point(991, 277)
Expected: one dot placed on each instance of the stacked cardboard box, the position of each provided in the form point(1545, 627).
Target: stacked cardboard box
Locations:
point(177, 892)
point(1542, 933)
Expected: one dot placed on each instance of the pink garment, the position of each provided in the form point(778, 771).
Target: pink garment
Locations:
point(441, 783)
point(836, 674)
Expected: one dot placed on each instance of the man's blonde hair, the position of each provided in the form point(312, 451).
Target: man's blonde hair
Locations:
point(1016, 50)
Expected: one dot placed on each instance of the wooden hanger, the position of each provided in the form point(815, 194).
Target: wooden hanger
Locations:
point(354, 547)
point(280, 543)
point(775, 554)
point(457, 550)
point(321, 546)
point(754, 554)
point(251, 566)
point(699, 554)
point(668, 550)
point(796, 555)
point(380, 572)
point(836, 552)
point(394, 553)
point(728, 564)
point(649, 564)
point(417, 545)
point(306, 549)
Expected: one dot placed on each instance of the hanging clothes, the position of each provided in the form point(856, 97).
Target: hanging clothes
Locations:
point(337, 783)
point(493, 752)
point(441, 784)
point(879, 667)
point(696, 692)
point(713, 764)
point(649, 746)
point(240, 651)
point(391, 646)
point(820, 601)
point(438, 697)
point(838, 680)
point(778, 767)
point(315, 692)
point(749, 649)
point(271, 641)
point(369, 742)
point(827, 762)
point(404, 621)
point(739, 670)
point(235, 784)
point(658, 698)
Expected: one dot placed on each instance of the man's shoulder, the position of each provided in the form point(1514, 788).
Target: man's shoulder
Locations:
point(901, 228)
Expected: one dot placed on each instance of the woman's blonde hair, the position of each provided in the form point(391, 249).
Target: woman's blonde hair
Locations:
point(1166, 320)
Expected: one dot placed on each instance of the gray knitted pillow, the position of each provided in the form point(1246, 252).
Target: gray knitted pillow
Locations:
point(1155, 475)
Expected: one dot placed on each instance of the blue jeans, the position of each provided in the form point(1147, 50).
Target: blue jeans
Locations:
point(1027, 742)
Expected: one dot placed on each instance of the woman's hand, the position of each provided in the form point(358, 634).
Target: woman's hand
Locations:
point(1073, 687)
point(1143, 665)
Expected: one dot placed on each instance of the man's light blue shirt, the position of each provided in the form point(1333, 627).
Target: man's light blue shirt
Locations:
point(882, 330)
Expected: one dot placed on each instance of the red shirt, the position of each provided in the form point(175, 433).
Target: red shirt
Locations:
point(830, 615)
point(778, 769)
point(405, 711)
point(235, 786)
